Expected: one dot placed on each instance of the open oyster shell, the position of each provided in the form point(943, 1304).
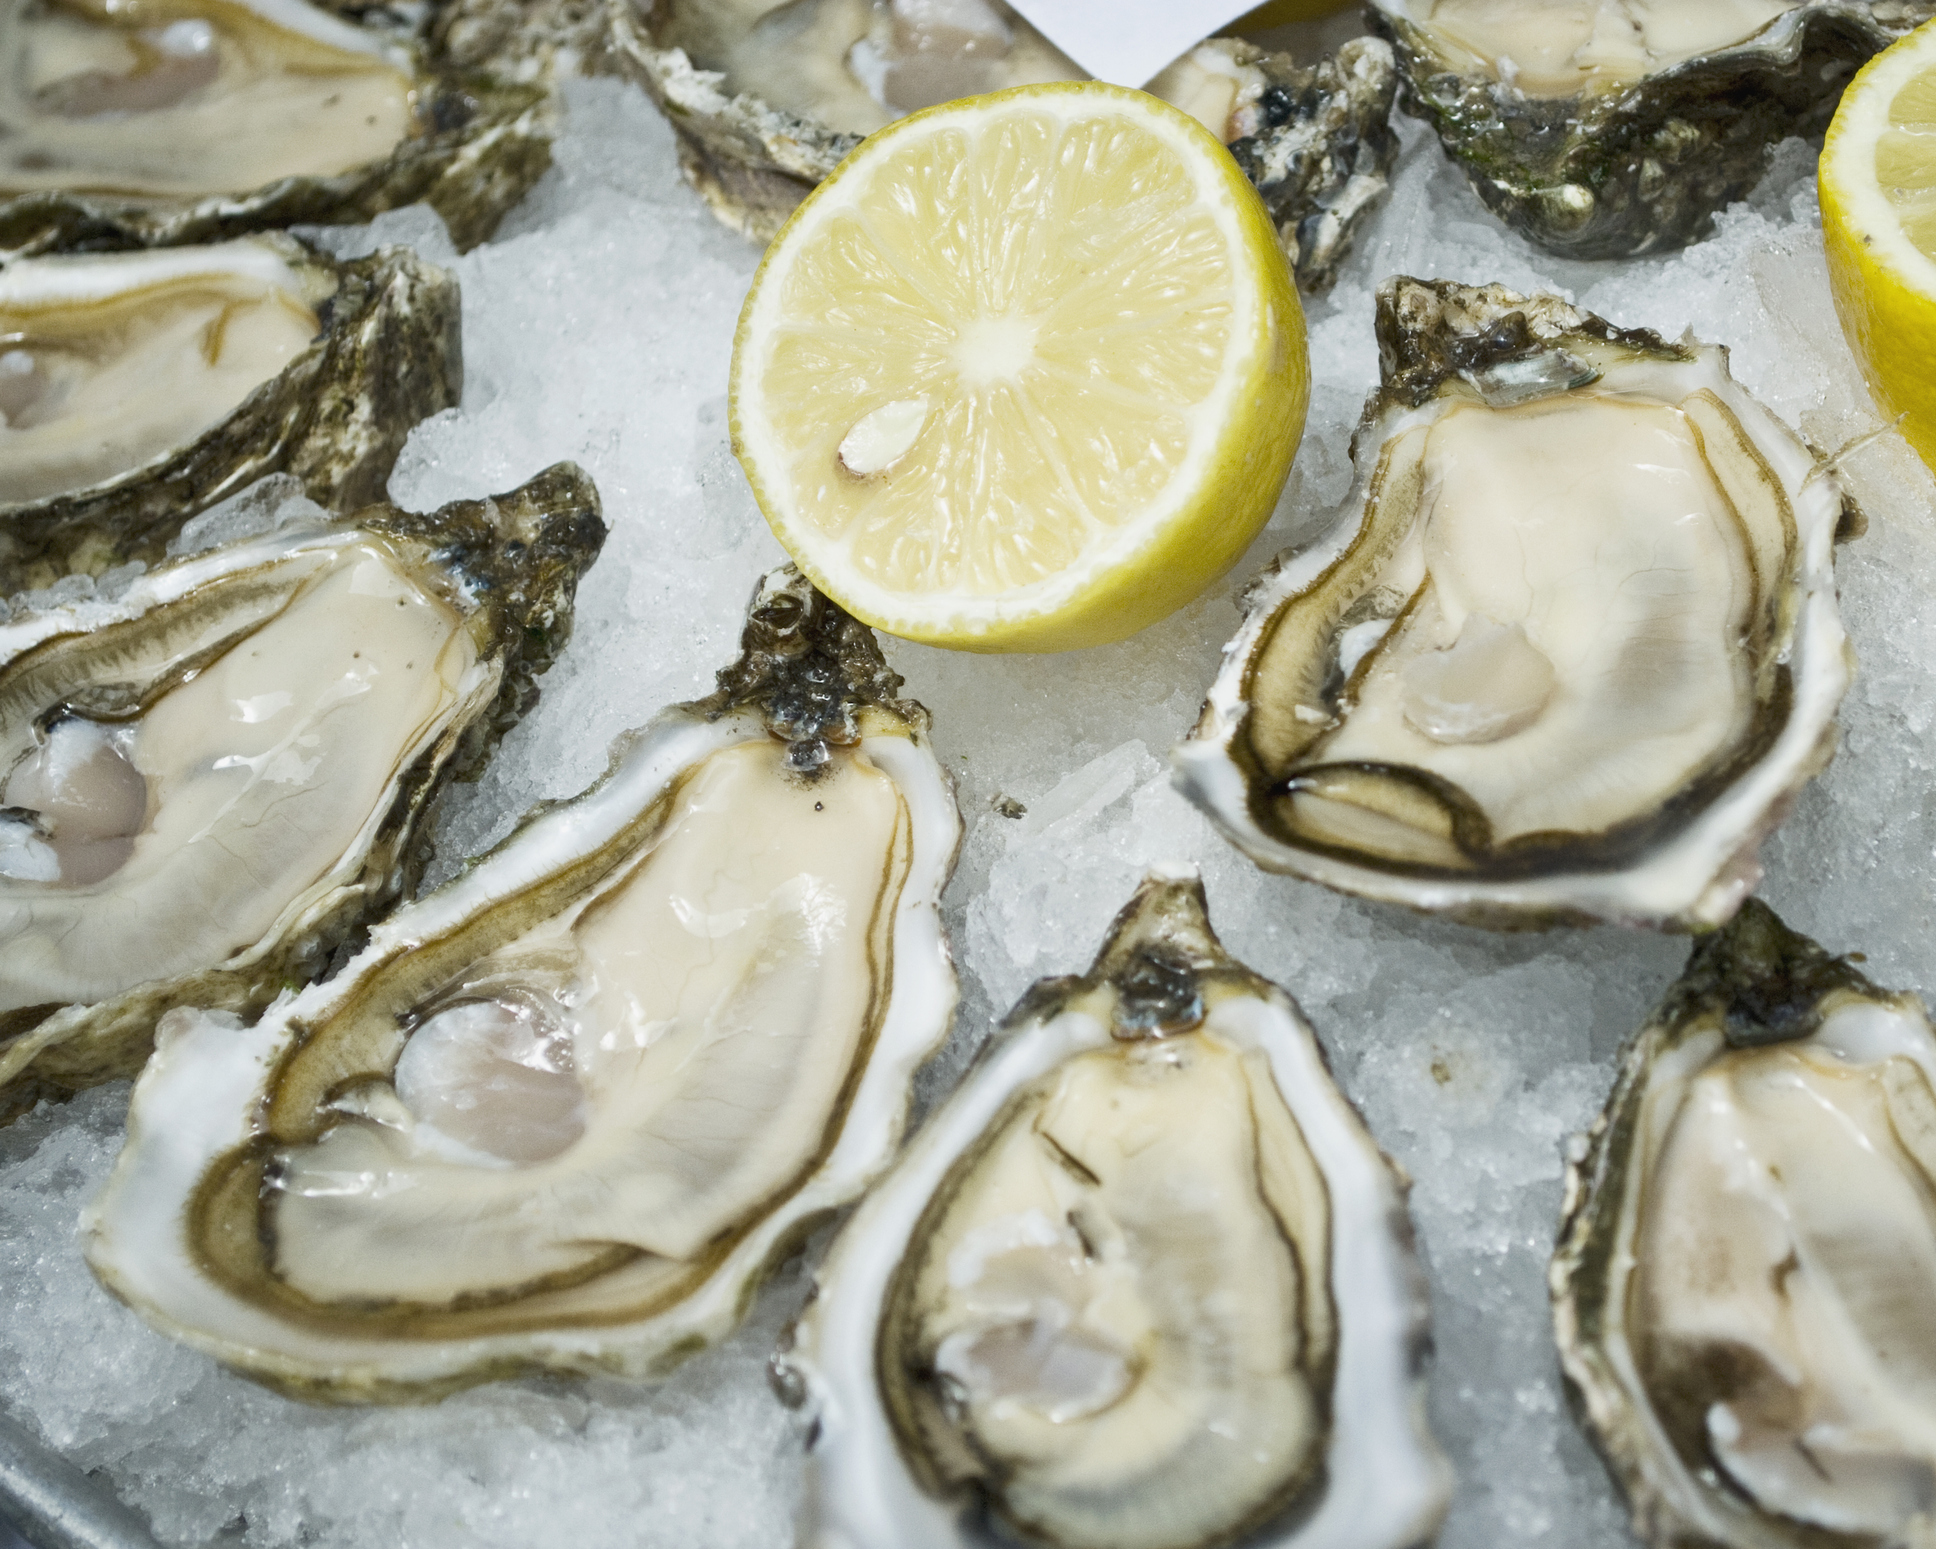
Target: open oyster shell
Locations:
point(1571, 651)
point(1143, 1282)
point(1611, 128)
point(1742, 1286)
point(138, 389)
point(210, 783)
point(565, 1111)
point(199, 120)
point(765, 105)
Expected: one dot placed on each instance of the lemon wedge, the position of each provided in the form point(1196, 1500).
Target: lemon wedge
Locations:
point(1025, 373)
point(1878, 186)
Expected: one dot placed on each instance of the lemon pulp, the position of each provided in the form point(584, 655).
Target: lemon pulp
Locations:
point(1026, 372)
point(1878, 187)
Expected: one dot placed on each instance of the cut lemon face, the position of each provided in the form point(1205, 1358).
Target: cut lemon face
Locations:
point(1878, 185)
point(1025, 373)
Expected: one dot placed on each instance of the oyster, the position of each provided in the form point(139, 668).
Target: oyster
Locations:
point(1143, 1282)
point(565, 1111)
point(1572, 650)
point(1743, 1281)
point(137, 389)
point(766, 99)
point(1611, 128)
point(195, 120)
point(209, 784)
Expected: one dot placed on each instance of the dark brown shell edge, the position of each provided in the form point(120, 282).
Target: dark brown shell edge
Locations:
point(521, 555)
point(810, 668)
point(483, 142)
point(1324, 156)
point(1765, 984)
point(390, 354)
point(1156, 960)
point(1430, 331)
point(1320, 160)
point(1644, 170)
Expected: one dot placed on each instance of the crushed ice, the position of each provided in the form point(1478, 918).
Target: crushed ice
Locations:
point(597, 327)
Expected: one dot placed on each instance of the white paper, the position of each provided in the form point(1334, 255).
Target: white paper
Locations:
point(1128, 41)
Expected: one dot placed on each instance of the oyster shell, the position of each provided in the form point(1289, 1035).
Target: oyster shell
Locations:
point(1143, 1282)
point(198, 120)
point(564, 1112)
point(1611, 128)
point(1570, 653)
point(765, 104)
point(1742, 1286)
point(209, 784)
point(137, 389)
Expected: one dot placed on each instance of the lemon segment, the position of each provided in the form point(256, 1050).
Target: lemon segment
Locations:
point(1878, 188)
point(1025, 373)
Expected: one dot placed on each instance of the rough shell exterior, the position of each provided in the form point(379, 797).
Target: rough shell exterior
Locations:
point(390, 354)
point(521, 555)
point(1644, 170)
point(1320, 162)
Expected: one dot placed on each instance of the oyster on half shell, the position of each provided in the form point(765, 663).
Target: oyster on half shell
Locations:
point(1611, 128)
point(1569, 653)
point(1143, 1282)
point(173, 121)
point(137, 389)
point(767, 98)
point(210, 783)
point(564, 1112)
point(1743, 1282)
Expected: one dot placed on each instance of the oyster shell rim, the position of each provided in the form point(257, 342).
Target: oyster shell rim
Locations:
point(389, 355)
point(762, 696)
point(521, 556)
point(829, 1361)
point(484, 139)
point(752, 163)
point(1431, 332)
point(1592, 176)
point(1754, 982)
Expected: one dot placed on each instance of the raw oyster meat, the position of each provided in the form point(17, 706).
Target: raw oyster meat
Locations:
point(209, 784)
point(137, 389)
point(564, 1112)
point(766, 99)
point(1572, 649)
point(195, 120)
point(1611, 128)
point(1745, 1269)
point(1143, 1282)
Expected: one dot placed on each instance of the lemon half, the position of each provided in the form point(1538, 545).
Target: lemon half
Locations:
point(1878, 187)
point(1025, 373)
